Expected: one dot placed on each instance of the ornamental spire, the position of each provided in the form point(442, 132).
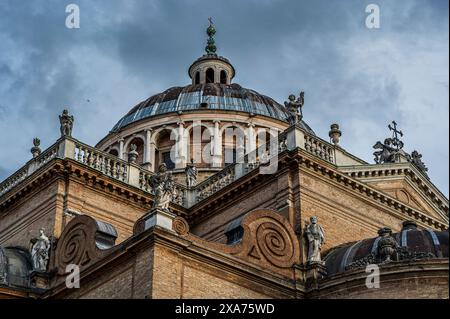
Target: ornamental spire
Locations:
point(211, 43)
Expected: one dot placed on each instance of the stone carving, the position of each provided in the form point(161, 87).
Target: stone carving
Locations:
point(416, 159)
point(387, 152)
point(163, 188)
point(66, 122)
point(335, 134)
point(191, 174)
point(180, 226)
point(36, 150)
point(388, 250)
point(387, 246)
point(133, 154)
point(83, 241)
point(294, 107)
point(40, 248)
point(315, 236)
point(267, 239)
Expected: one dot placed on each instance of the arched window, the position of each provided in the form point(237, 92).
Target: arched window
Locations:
point(197, 78)
point(210, 76)
point(223, 77)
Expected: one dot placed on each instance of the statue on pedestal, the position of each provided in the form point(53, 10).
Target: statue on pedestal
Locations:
point(191, 174)
point(66, 122)
point(163, 188)
point(315, 236)
point(40, 248)
point(294, 107)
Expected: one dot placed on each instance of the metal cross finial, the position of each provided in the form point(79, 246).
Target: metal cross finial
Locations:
point(395, 135)
point(394, 130)
point(210, 21)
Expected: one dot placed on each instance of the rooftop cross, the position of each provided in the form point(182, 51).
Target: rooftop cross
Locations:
point(395, 135)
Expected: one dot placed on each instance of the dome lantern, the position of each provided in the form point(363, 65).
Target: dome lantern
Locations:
point(211, 68)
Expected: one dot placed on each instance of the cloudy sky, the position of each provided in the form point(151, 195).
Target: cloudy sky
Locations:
point(126, 51)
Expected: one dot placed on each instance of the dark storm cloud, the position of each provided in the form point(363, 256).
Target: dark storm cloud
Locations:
point(126, 51)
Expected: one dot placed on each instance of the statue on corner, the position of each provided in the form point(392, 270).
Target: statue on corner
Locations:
point(315, 237)
point(40, 248)
point(294, 107)
point(66, 122)
point(191, 174)
point(163, 188)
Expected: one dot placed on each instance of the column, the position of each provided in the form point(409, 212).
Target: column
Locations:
point(217, 145)
point(251, 143)
point(147, 150)
point(180, 156)
point(121, 148)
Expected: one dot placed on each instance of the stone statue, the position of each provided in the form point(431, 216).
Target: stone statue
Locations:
point(315, 235)
point(191, 174)
point(133, 154)
point(40, 251)
point(66, 122)
point(386, 152)
point(163, 188)
point(294, 107)
point(416, 159)
point(387, 246)
point(36, 150)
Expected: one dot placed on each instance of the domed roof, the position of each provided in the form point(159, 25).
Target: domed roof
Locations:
point(412, 244)
point(206, 96)
point(15, 267)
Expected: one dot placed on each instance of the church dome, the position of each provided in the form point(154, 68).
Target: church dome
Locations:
point(206, 96)
point(412, 244)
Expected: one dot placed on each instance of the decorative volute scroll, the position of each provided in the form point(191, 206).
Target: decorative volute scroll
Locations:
point(83, 241)
point(268, 240)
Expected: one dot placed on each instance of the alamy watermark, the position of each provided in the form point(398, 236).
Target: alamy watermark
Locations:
point(73, 19)
point(73, 276)
point(373, 17)
point(373, 277)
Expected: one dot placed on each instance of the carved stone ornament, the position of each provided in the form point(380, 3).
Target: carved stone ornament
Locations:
point(388, 250)
point(180, 226)
point(36, 150)
point(83, 241)
point(268, 240)
point(416, 159)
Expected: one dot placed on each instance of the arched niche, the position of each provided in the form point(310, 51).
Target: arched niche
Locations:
point(140, 149)
point(197, 78)
point(223, 77)
point(164, 151)
point(209, 75)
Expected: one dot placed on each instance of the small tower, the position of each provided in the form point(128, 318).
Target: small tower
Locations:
point(211, 68)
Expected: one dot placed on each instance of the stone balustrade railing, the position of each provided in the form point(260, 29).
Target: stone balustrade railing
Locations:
point(134, 175)
point(319, 147)
point(29, 168)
